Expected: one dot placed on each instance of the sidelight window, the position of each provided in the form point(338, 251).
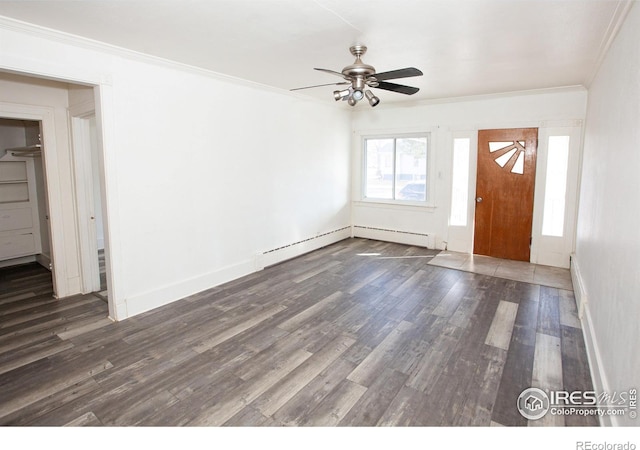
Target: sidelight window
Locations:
point(460, 182)
point(555, 186)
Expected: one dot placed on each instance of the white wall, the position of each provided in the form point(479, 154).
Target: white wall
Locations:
point(202, 173)
point(11, 134)
point(607, 261)
point(211, 173)
point(459, 117)
point(81, 95)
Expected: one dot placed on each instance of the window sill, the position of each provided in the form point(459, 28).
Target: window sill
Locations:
point(399, 205)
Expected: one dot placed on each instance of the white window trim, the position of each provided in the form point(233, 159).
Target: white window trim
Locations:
point(430, 201)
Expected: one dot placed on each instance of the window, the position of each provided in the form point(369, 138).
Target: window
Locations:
point(460, 182)
point(555, 186)
point(396, 168)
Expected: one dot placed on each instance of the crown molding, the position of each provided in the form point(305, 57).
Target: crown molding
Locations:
point(618, 18)
point(478, 97)
point(62, 37)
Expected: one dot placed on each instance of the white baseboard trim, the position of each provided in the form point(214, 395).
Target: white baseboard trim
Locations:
point(44, 260)
point(596, 366)
point(17, 261)
point(164, 295)
point(399, 237)
point(286, 252)
point(578, 285)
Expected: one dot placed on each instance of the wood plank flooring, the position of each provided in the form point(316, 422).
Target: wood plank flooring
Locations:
point(360, 333)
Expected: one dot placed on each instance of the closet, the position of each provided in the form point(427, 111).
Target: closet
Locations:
point(24, 227)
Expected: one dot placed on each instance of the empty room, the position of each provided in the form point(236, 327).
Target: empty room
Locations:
point(319, 213)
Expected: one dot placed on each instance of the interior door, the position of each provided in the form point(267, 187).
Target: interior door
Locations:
point(504, 193)
point(85, 202)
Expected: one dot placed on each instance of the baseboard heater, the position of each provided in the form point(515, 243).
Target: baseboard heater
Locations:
point(279, 254)
point(402, 237)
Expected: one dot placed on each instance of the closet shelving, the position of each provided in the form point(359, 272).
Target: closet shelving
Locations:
point(19, 228)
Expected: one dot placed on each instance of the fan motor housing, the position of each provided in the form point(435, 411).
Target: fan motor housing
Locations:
point(358, 68)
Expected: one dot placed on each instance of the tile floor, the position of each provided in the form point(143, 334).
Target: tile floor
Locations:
point(502, 268)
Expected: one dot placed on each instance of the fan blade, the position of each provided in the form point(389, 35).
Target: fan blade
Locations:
point(319, 85)
point(332, 72)
point(400, 73)
point(400, 88)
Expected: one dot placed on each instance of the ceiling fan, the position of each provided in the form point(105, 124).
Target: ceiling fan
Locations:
point(360, 76)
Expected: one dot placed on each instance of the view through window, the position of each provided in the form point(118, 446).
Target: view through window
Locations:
point(460, 182)
point(555, 186)
point(396, 168)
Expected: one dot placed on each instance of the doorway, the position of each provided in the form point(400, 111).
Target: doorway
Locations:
point(56, 104)
point(505, 192)
point(24, 212)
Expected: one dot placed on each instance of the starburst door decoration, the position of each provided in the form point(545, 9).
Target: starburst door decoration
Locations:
point(509, 151)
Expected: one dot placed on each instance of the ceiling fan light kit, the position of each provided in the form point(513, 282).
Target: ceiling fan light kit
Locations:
point(362, 76)
point(373, 100)
point(339, 95)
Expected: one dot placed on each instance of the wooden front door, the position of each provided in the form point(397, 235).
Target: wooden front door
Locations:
point(504, 193)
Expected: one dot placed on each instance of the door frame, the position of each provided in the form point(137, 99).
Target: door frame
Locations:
point(65, 251)
point(460, 239)
point(45, 115)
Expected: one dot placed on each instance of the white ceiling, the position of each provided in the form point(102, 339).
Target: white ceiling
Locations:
point(463, 47)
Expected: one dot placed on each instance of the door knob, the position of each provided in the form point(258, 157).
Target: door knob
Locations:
point(479, 199)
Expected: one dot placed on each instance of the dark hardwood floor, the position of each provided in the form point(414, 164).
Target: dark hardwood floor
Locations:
point(359, 333)
point(102, 293)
